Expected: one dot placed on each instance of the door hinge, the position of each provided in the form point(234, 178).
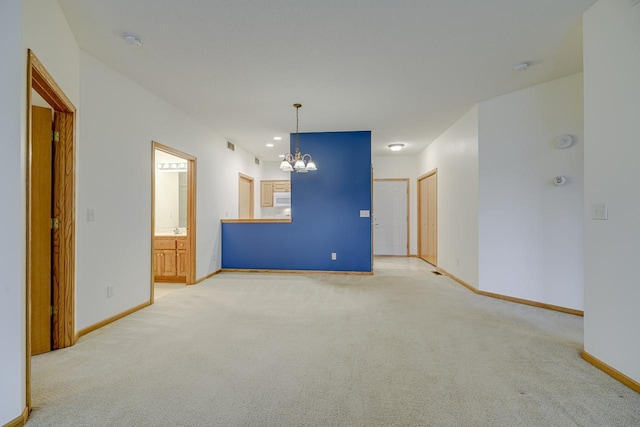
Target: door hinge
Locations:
point(55, 223)
point(56, 136)
point(53, 310)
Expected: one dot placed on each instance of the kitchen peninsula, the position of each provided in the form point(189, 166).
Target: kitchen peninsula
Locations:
point(330, 228)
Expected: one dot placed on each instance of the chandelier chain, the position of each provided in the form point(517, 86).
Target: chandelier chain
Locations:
point(297, 128)
point(297, 161)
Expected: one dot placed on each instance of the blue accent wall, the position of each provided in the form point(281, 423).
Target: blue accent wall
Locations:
point(325, 213)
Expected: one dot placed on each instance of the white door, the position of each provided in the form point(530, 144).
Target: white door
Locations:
point(390, 219)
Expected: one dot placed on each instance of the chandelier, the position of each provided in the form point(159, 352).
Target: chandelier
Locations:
point(298, 162)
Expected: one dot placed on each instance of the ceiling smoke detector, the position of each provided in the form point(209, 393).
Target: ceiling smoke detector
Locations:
point(132, 40)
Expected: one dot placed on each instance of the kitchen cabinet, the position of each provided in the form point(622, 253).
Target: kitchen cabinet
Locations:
point(281, 186)
point(266, 193)
point(267, 188)
point(170, 258)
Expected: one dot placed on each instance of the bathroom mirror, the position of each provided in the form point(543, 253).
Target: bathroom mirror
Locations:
point(170, 194)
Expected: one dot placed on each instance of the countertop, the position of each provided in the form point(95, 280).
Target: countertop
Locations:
point(257, 221)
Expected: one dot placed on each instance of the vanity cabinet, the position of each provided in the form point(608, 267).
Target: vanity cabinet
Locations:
point(267, 188)
point(170, 259)
point(183, 259)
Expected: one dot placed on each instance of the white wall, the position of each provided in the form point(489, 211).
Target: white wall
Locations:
point(119, 120)
point(271, 171)
point(12, 245)
point(402, 167)
point(612, 151)
point(455, 154)
point(530, 230)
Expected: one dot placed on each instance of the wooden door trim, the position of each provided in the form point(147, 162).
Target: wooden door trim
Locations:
point(192, 175)
point(419, 219)
point(407, 181)
point(243, 177)
point(63, 328)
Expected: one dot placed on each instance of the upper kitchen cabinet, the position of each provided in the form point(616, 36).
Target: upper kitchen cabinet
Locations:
point(268, 187)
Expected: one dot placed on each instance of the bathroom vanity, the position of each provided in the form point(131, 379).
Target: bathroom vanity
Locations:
point(171, 258)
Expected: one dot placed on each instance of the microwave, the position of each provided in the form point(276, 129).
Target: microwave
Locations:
point(281, 200)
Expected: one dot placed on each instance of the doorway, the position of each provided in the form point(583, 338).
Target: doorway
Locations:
point(428, 217)
point(50, 240)
point(173, 220)
point(245, 197)
point(391, 217)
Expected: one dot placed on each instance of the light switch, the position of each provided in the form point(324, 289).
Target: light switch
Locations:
point(365, 214)
point(599, 211)
point(91, 215)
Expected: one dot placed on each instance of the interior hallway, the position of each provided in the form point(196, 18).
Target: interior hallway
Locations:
point(402, 347)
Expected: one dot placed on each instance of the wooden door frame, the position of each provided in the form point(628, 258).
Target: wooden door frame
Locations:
point(419, 219)
point(407, 181)
point(63, 265)
point(243, 177)
point(191, 208)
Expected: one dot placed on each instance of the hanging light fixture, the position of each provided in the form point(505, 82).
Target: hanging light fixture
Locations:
point(298, 162)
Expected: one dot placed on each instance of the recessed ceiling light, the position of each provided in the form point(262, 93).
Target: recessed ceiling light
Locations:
point(132, 40)
point(269, 145)
point(277, 138)
point(521, 66)
point(396, 147)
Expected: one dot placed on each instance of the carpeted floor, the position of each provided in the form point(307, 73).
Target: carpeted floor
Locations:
point(401, 348)
point(163, 289)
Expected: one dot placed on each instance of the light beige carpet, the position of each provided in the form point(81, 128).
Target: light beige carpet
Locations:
point(401, 348)
point(161, 289)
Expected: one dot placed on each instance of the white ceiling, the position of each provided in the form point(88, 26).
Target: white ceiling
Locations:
point(404, 69)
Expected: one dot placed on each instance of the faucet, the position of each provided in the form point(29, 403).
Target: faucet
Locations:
point(176, 230)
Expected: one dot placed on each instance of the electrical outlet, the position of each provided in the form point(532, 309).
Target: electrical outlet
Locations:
point(109, 291)
point(334, 256)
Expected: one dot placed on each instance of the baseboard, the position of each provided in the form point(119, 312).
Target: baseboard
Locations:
point(534, 303)
point(208, 276)
point(457, 279)
point(20, 420)
point(612, 372)
point(251, 270)
point(513, 299)
point(112, 319)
